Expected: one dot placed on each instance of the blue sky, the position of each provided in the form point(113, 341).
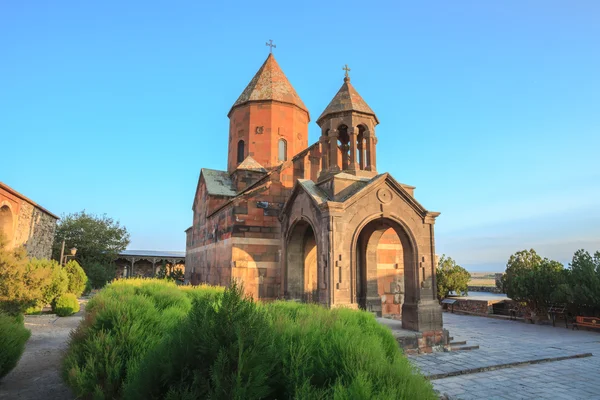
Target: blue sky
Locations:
point(492, 109)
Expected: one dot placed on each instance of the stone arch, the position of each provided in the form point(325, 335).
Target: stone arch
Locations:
point(7, 223)
point(364, 262)
point(344, 146)
point(301, 272)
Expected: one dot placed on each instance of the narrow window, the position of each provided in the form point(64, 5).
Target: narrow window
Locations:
point(240, 155)
point(282, 150)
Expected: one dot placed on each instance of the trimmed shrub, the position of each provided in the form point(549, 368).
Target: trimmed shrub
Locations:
point(58, 279)
point(13, 337)
point(78, 280)
point(65, 305)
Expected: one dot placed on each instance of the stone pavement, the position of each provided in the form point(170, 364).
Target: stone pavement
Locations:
point(504, 342)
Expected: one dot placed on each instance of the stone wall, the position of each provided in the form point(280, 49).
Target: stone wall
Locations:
point(30, 225)
point(487, 289)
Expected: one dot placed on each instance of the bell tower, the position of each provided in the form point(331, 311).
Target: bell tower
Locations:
point(348, 141)
point(269, 121)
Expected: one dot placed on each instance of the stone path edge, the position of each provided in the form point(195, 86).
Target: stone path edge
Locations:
point(503, 366)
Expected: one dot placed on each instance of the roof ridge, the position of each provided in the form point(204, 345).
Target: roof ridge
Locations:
point(347, 98)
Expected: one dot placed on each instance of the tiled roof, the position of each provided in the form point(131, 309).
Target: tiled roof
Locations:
point(270, 83)
point(250, 164)
point(347, 99)
point(218, 183)
point(153, 253)
point(312, 189)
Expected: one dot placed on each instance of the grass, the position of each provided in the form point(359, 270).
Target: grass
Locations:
point(149, 339)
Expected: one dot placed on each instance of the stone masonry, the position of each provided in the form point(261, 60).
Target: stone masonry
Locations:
point(26, 223)
point(314, 223)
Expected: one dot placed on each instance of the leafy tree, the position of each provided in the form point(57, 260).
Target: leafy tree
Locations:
point(451, 277)
point(533, 280)
point(98, 240)
point(582, 283)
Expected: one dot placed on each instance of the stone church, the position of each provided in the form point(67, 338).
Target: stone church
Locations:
point(315, 223)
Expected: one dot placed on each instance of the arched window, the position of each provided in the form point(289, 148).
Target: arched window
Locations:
point(282, 150)
point(240, 155)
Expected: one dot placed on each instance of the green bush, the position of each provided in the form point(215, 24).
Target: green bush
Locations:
point(231, 348)
point(149, 339)
point(99, 274)
point(20, 288)
point(65, 305)
point(13, 337)
point(123, 321)
point(77, 278)
point(58, 279)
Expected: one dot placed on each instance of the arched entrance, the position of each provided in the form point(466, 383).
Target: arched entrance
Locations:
point(301, 278)
point(384, 273)
point(6, 224)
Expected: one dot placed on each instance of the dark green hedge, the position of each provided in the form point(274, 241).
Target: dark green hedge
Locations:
point(151, 340)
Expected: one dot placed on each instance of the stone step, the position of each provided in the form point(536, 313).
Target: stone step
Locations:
point(458, 343)
point(464, 348)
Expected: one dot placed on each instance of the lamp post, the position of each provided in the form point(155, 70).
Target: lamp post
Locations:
point(64, 257)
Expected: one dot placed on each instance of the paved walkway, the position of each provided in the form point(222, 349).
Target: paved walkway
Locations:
point(503, 342)
point(37, 375)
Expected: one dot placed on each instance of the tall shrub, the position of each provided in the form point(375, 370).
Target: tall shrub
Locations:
point(99, 273)
point(77, 278)
point(56, 282)
point(23, 284)
point(13, 337)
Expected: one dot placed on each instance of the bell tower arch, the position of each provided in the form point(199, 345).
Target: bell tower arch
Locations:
point(348, 140)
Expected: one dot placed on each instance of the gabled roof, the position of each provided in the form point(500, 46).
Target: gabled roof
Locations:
point(270, 83)
point(250, 164)
point(347, 99)
point(218, 183)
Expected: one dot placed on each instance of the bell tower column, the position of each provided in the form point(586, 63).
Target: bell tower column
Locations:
point(352, 134)
point(333, 150)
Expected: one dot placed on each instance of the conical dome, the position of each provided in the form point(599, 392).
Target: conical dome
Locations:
point(347, 99)
point(270, 83)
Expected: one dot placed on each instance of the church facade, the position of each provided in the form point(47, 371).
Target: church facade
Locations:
point(315, 223)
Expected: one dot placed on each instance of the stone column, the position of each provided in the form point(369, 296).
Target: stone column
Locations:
point(368, 157)
point(344, 147)
point(361, 151)
point(333, 150)
point(352, 134)
point(374, 153)
point(324, 153)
